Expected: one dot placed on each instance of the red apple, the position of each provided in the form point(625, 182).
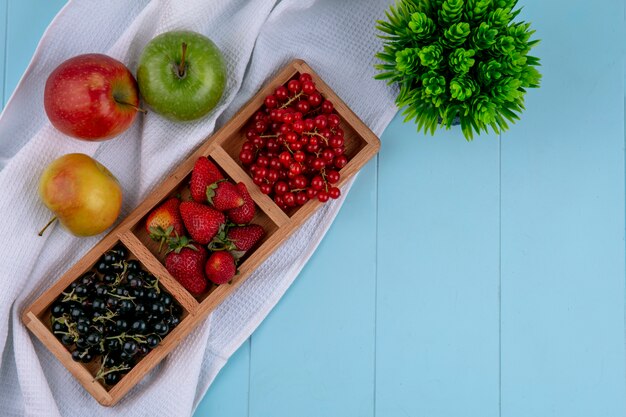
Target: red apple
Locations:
point(91, 97)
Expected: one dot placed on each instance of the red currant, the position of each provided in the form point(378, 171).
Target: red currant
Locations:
point(303, 106)
point(247, 146)
point(339, 151)
point(300, 181)
point(258, 181)
point(334, 193)
point(246, 157)
point(332, 177)
point(297, 115)
point(288, 117)
point(308, 87)
point(320, 121)
point(272, 176)
point(294, 86)
point(328, 154)
point(299, 156)
point(311, 193)
point(318, 164)
point(333, 120)
point(341, 161)
point(322, 196)
point(265, 188)
point(305, 76)
point(271, 102)
point(272, 145)
point(280, 188)
point(336, 141)
point(260, 126)
point(285, 158)
point(263, 161)
point(315, 99)
point(327, 107)
point(289, 199)
point(298, 126)
point(317, 183)
point(309, 125)
point(275, 163)
point(301, 198)
point(250, 134)
point(259, 142)
point(295, 169)
point(281, 93)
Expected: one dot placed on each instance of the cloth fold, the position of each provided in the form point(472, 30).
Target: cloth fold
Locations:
point(337, 38)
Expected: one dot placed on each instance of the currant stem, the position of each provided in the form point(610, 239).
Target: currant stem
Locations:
point(52, 220)
point(291, 100)
point(181, 66)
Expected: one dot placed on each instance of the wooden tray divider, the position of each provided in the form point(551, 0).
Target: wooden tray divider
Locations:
point(154, 266)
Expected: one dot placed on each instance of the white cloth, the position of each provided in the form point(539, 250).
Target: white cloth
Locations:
point(257, 37)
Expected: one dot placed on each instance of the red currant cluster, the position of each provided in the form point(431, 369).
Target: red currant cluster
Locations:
point(295, 146)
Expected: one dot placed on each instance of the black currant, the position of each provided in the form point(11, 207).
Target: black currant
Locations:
point(166, 299)
point(120, 251)
point(139, 326)
point(153, 341)
point(133, 265)
point(130, 347)
point(57, 309)
point(102, 267)
point(67, 340)
point(112, 378)
point(161, 328)
point(112, 345)
point(93, 339)
point(121, 325)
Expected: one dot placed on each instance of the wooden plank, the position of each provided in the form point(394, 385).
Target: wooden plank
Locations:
point(563, 222)
point(20, 43)
point(437, 326)
point(314, 354)
point(4, 4)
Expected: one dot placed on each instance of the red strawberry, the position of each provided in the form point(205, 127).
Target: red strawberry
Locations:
point(220, 268)
point(238, 239)
point(165, 222)
point(186, 263)
point(204, 174)
point(202, 222)
point(223, 195)
point(245, 213)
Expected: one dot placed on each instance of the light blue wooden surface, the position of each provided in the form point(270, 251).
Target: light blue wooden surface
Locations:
point(489, 276)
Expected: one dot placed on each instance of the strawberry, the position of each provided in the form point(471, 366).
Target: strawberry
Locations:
point(245, 213)
point(186, 263)
point(238, 239)
point(223, 195)
point(220, 268)
point(204, 174)
point(202, 222)
point(165, 222)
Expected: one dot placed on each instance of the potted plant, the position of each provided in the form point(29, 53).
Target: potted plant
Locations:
point(463, 61)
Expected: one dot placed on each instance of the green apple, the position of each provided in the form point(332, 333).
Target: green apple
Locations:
point(83, 195)
point(181, 75)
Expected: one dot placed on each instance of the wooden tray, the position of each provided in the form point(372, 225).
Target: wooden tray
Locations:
point(223, 148)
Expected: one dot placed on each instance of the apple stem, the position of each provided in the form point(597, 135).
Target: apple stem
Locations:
point(181, 66)
point(52, 220)
point(131, 105)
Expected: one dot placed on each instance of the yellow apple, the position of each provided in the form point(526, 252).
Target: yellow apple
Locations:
point(83, 195)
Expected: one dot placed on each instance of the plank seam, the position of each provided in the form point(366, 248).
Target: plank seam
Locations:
point(500, 274)
point(376, 286)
